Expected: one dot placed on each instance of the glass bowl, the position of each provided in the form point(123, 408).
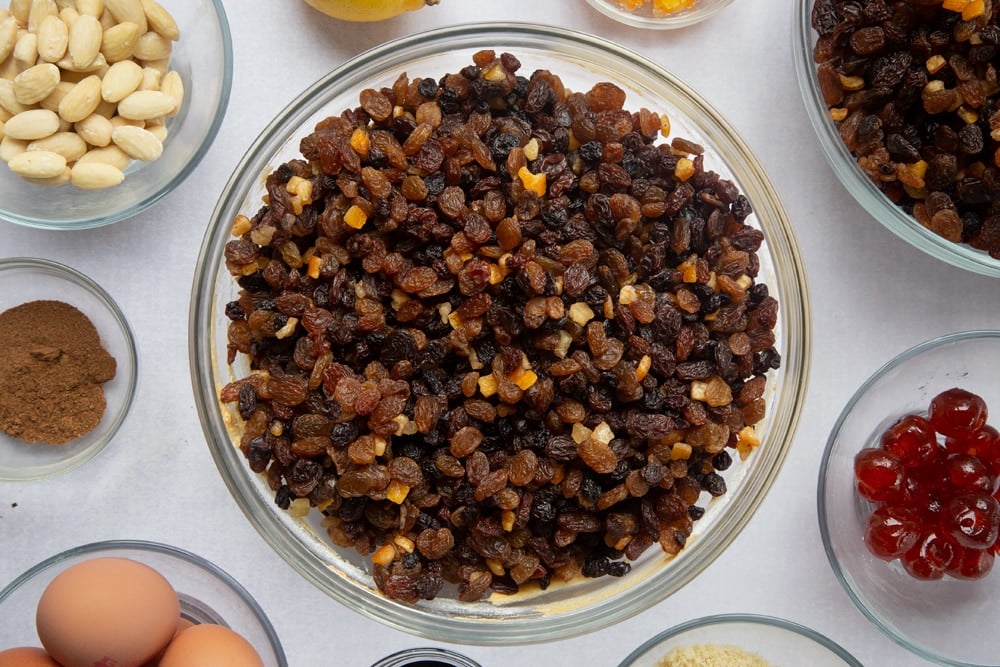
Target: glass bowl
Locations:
point(775, 640)
point(646, 17)
point(425, 657)
point(948, 621)
point(858, 184)
point(204, 58)
point(560, 611)
point(207, 593)
point(24, 279)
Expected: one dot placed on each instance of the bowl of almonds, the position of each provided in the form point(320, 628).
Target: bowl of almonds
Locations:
point(105, 107)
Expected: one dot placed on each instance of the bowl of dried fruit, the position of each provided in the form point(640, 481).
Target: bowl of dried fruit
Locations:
point(908, 502)
point(744, 640)
point(106, 110)
point(659, 14)
point(903, 97)
point(516, 345)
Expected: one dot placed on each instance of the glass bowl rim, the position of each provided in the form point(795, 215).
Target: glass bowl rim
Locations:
point(401, 658)
point(170, 184)
point(823, 512)
point(413, 619)
point(844, 165)
point(177, 553)
point(682, 19)
point(131, 362)
point(759, 619)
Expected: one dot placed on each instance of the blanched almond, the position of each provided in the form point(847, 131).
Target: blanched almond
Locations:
point(90, 7)
point(82, 100)
point(152, 46)
point(20, 9)
point(8, 37)
point(37, 164)
point(8, 100)
point(55, 97)
point(146, 104)
point(35, 83)
point(151, 78)
point(69, 68)
point(32, 124)
point(40, 10)
point(128, 10)
point(109, 155)
point(95, 175)
point(26, 50)
point(160, 20)
point(69, 15)
point(119, 41)
point(53, 37)
point(121, 80)
point(173, 85)
point(9, 147)
point(60, 179)
point(85, 40)
point(68, 144)
point(95, 129)
point(137, 143)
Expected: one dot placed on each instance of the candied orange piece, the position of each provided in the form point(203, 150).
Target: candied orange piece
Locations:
point(661, 7)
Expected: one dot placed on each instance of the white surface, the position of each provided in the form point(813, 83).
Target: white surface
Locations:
point(872, 296)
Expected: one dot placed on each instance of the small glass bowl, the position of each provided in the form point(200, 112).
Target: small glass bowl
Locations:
point(24, 279)
point(644, 16)
point(949, 621)
point(561, 610)
point(203, 56)
point(426, 657)
point(845, 166)
point(777, 641)
point(207, 593)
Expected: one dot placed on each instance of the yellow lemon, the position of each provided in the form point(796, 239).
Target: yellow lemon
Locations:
point(367, 10)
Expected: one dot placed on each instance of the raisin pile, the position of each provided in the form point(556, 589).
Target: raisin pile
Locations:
point(500, 333)
point(914, 89)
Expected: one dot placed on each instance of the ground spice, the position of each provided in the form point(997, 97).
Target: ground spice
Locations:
point(52, 370)
point(712, 655)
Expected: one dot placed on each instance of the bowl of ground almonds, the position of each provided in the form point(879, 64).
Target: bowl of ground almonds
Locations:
point(739, 640)
point(515, 345)
point(905, 101)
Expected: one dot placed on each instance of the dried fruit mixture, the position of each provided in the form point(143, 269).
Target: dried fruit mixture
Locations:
point(914, 91)
point(932, 482)
point(500, 333)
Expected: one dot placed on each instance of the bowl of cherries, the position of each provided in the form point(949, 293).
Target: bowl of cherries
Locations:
point(909, 505)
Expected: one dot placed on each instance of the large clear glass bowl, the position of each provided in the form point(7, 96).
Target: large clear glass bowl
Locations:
point(949, 621)
point(207, 593)
point(203, 56)
point(775, 640)
point(845, 166)
point(581, 60)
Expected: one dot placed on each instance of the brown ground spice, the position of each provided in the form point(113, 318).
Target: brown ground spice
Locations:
point(52, 368)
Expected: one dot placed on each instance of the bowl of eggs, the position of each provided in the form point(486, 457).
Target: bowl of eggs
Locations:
point(133, 603)
point(105, 109)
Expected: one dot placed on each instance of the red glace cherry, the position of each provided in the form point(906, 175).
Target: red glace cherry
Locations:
point(955, 412)
point(891, 531)
point(911, 439)
point(879, 475)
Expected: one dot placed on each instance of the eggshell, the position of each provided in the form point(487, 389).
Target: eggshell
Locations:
point(209, 645)
point(26, 657)
point(107, 611)
point(182, 625)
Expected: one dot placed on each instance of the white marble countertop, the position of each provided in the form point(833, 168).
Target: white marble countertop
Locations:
point(872, 296)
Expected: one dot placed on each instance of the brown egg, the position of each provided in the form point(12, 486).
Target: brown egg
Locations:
point(26, 657)
point(107, 611)
point(209, 645)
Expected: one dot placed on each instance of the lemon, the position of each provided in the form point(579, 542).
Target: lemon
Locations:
point(367, 10)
